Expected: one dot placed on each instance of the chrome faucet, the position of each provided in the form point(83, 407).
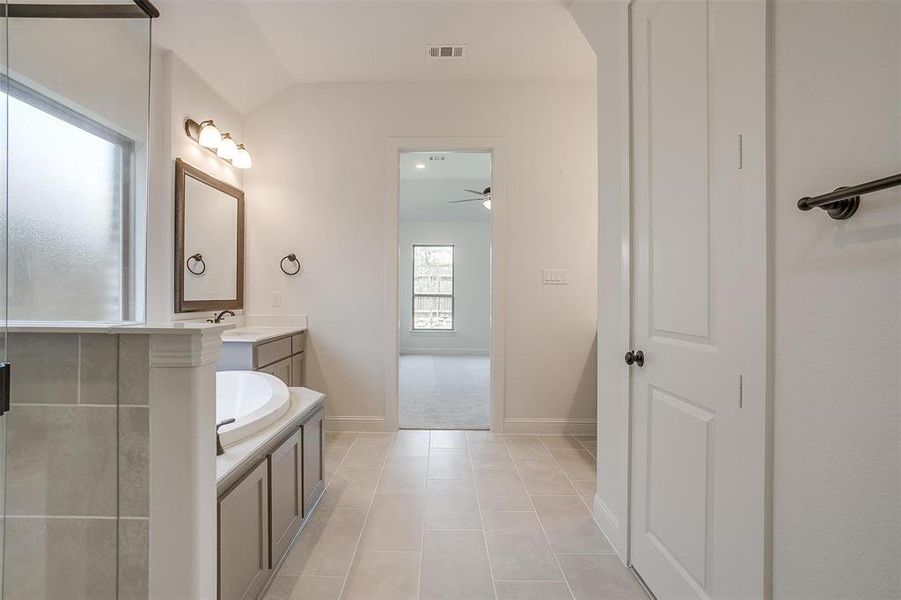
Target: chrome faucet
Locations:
point(219, 449)
point(218, 318)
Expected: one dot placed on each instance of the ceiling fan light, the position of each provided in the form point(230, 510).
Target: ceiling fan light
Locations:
point(487, 203)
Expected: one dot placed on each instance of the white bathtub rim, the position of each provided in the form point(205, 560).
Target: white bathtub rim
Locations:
point(270, 412)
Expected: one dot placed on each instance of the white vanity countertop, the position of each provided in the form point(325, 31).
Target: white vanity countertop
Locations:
point(304, 403)
point(178, 328)
point(257, 333)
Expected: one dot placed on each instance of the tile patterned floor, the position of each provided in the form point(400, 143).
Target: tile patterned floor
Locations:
point(455, 515)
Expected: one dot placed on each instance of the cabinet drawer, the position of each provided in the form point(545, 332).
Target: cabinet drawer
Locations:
point(297, 342)
point(271, 352)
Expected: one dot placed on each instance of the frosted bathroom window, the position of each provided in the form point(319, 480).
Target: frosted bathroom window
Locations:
point(433, 288)
point(69, 192)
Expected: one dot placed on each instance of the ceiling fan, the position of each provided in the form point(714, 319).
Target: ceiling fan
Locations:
point(484, 198)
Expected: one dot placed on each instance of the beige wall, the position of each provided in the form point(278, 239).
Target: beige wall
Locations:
point(178, 93)
point(837, 289)
point(318, 188)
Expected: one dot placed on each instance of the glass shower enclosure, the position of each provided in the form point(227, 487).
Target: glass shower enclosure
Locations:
point(74, 144)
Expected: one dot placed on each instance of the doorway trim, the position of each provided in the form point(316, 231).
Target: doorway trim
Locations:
point(394, 147)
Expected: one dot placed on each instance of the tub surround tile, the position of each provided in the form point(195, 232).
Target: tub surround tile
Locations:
point(60, 558)
point(46, 368)
point(134, 461)
point(134, 551)
point(62, 460)
point(98, 369)
point(134, 370)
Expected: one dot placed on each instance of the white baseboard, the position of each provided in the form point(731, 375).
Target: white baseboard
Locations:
point(571, 426)
point(609, 524)
point(338, 423)
point(445, 351)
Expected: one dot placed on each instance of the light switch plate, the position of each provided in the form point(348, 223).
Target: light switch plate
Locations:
point(554, 277)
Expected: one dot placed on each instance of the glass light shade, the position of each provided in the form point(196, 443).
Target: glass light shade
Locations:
point(227, 147)
point(209, 135)
point(242, 158)
point(487, 204)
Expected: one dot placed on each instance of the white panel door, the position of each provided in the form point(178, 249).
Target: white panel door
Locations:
point(699, 224)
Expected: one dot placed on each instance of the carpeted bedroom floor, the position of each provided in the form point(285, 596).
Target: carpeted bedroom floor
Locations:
point(444, 392)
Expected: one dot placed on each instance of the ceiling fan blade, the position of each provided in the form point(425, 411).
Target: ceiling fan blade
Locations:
point(467, 200)
point(478, 192)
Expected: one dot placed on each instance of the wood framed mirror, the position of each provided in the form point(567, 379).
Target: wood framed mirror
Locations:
point(209, 242)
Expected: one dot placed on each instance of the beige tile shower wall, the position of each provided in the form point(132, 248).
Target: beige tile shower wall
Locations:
point(77, 466)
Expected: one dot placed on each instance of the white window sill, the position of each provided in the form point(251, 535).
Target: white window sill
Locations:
point(433, 332)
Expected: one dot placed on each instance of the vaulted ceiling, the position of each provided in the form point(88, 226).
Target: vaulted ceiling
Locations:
point(250, 50)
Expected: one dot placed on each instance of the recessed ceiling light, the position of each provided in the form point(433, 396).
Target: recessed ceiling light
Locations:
point(420, 165)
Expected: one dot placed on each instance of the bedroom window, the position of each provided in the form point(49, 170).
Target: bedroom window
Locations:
point(433, 288)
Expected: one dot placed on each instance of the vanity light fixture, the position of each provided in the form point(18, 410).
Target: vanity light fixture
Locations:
point(242, 159)
point(227, 147)
point(208, 135)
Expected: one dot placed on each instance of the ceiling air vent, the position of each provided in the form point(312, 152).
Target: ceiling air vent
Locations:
point(446, 51)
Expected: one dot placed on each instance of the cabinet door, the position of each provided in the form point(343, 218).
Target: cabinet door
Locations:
point(312, 462)
point(286, 496)
point(297, 370)
point(281, 369)
point(244, 537)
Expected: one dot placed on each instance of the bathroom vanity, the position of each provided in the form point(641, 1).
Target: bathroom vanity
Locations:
point(268, 486)
point(278, 351)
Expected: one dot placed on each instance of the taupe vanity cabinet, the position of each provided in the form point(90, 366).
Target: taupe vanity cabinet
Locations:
point(244, 537)
point(281, 356)
point(261, 514)
point(286, 498)
point(313, 484)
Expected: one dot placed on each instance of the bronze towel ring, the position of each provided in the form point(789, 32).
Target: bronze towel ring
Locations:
point(197, 258)
point(291, 258)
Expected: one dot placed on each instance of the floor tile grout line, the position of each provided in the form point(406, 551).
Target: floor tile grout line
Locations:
point(425, 504)
point(590, 511)
point(475, 489)
point(538, 518)
point(353, 557)
point(572, 483)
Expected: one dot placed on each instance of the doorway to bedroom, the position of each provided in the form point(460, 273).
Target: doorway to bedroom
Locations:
point(445, 290)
